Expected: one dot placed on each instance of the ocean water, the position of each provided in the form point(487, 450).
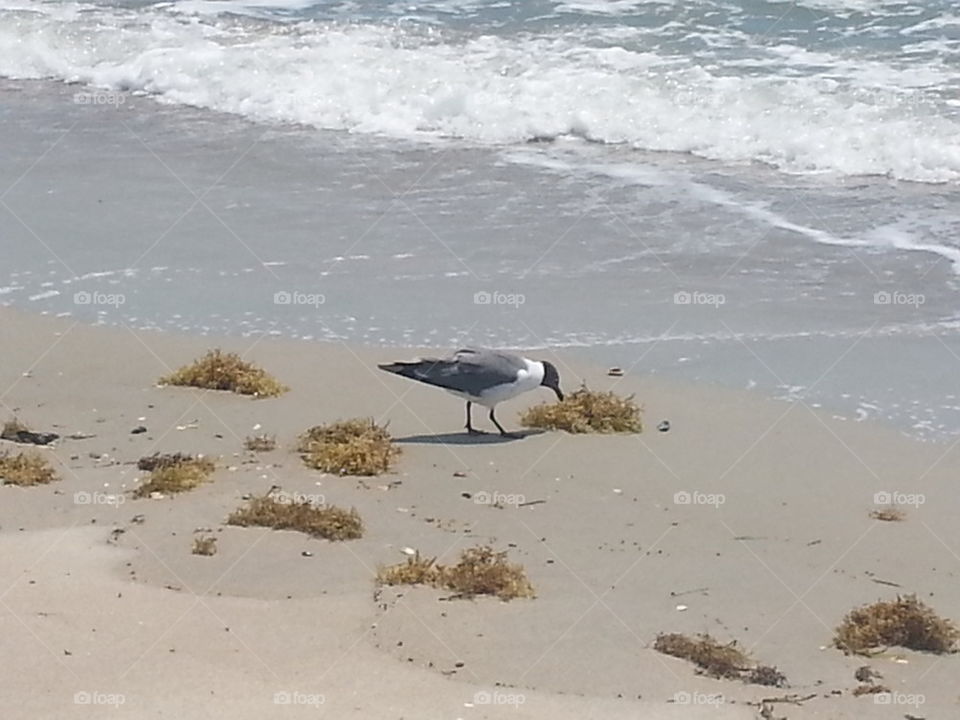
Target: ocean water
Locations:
point(762, 194)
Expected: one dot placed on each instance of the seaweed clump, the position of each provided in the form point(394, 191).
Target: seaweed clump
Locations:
point(26, 469)
point(587, 411)
point(327, 522)
point(348, 447)
point(172, 474)
point(480, 571)
point(218, 370)
point(718, 660)
point(905, 622)
point(260, 443)
point(205, 545)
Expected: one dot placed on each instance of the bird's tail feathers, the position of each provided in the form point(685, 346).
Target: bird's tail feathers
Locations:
point(412, 369)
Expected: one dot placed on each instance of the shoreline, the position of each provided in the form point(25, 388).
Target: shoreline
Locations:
point(614, 552)
point(297, 213)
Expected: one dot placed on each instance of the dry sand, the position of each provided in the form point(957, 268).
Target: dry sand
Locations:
point(104, 616)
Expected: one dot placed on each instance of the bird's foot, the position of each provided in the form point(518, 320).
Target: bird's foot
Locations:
point(474, 431)
point(511, 436)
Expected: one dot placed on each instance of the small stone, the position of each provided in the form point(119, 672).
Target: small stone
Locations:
point(615, 372)
point(138, 430)
point(307, 553)
point(664, 426)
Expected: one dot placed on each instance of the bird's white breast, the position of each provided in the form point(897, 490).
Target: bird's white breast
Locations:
point(527, 379)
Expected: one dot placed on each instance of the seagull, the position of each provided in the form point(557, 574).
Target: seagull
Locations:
point(481, 376)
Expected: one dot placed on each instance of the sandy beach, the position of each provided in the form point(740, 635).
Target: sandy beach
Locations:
point(749, 207)
point(749, 519)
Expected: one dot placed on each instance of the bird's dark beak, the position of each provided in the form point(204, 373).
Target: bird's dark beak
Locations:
point(559, 394)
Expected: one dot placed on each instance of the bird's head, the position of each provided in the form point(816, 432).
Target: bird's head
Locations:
point(551, 378)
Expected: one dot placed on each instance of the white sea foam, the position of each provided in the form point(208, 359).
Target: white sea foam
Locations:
point(45, 295)
point(849, 117)
point(912, 232)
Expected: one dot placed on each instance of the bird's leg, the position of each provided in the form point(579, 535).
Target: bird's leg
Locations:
point(470, 428)
point(504, 433)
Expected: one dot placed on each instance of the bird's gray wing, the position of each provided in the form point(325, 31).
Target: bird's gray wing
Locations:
point(469, 370)
point(496, 361)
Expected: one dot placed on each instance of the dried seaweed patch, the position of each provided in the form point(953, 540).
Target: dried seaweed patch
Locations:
point(348, 447)
point(586, 411)
point(260, 443)
point(480, 571)
point(328, 522)
point(905, 622)
point(26, 469)
point(218, 370)
point(172, 474)
point(718, 660)
point(205, 545)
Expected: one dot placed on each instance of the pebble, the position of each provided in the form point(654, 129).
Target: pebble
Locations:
point(139, 429)
point(615, 372)
point(307, 553)
point(664, 426)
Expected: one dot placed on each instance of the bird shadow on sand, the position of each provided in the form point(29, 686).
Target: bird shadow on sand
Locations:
point(463, 438)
